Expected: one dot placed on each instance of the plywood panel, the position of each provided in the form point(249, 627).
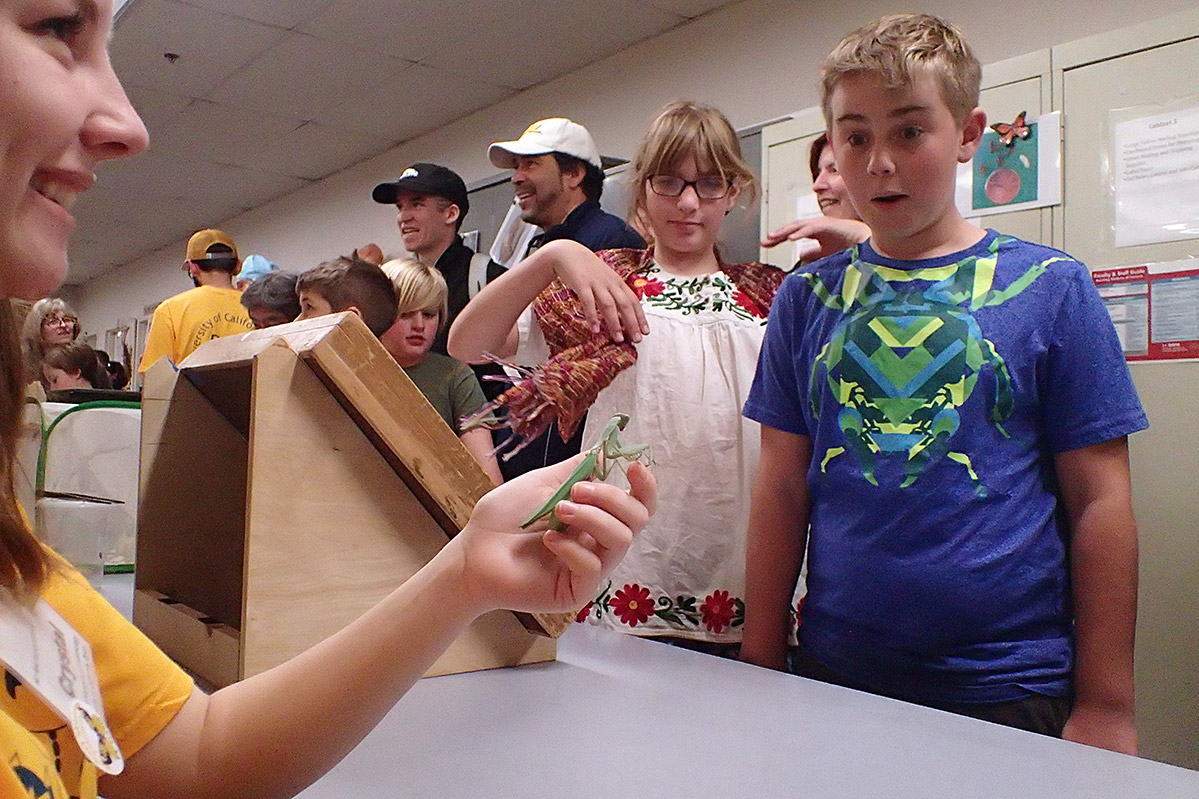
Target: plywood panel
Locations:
point(192, 498)
point(388, 408)
point(322, 556)
point(294, 455)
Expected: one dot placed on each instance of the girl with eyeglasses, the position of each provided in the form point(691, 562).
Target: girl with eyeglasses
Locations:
point(669, 335)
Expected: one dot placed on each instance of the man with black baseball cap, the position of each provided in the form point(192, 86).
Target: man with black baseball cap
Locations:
point(431, 203)
point(210, 310)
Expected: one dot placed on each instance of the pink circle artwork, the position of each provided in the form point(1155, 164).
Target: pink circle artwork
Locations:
point(1003, 186)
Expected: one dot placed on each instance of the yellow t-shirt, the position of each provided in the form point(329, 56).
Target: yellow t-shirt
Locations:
point(141, 687)
point(184, 322)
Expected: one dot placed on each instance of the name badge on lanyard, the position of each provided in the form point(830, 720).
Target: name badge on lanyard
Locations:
point(55, 662)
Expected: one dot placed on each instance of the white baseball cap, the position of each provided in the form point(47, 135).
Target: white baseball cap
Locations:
point(556, 135)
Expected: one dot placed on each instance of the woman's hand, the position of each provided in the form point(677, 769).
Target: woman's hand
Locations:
point(831, 233)
point(536, 569)
point(608, 302)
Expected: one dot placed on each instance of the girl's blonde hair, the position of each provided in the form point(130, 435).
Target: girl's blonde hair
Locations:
point(681, 129)
point(418, 287)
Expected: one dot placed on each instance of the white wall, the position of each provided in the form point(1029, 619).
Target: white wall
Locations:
point(756, 60)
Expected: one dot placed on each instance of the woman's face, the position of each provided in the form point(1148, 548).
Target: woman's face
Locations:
point(830, 189)
point(59, 328)
point(62, 111)
point(686, 224)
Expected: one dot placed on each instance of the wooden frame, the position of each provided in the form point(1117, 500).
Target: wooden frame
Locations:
point(291, 478)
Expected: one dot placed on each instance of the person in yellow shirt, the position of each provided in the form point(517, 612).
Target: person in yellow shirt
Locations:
point(211, 310)
point(62, 111)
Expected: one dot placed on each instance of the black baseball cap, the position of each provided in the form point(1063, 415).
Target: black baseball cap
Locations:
point(431, 179)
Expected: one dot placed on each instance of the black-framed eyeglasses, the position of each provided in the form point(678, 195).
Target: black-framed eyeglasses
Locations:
point(53, 321)
point(706, 188)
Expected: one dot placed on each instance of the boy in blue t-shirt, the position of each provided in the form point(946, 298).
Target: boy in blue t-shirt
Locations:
point(948, 409)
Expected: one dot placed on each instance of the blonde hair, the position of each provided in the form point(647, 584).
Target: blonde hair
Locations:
point(897, 46)
point(682, 129)
point(418, 287)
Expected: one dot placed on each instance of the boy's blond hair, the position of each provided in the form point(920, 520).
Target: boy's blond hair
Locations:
point(895, 47)
point(682, 129)
point(418, 287)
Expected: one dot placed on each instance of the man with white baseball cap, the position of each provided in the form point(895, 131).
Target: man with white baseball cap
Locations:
point(558, 180)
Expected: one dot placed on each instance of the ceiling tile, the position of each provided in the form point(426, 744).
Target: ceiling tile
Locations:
point(210, 46)
point(307, 78)
point(313, 150)
point(518, 54)
point(160, 111)
point(276, 13)
point(417, 100)
point(405, 30)
point(254, 108)
point(689, 8)
point(208, 131)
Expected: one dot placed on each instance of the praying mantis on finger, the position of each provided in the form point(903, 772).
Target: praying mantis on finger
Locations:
point(597, 464)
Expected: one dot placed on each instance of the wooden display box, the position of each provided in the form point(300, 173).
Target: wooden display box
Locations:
point(290, 479)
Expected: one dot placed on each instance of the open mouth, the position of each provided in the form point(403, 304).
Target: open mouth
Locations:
point(825, 202)
point(887, 199)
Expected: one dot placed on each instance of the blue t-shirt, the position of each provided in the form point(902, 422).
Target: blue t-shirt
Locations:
point(935, 394)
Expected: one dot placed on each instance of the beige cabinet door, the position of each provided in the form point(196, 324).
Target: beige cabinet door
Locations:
point(1164, 458)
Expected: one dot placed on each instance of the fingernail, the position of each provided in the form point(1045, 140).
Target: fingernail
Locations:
point(581, 490)
point(565, 510)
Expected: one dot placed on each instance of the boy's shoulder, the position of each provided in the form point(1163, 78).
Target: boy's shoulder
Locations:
point(1016, 246)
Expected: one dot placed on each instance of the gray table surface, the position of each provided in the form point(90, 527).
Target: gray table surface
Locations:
point(616, 716)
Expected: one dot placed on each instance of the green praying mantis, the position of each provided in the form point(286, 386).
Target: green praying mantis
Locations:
point(597, 464)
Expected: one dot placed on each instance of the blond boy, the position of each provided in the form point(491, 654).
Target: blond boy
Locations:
point(450, 386)
point(948, 409)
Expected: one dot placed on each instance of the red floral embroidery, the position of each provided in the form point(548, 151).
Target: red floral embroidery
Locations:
point(743, 299)
point(582, 615)
point(646, 286)
point(717, 611)
point(799, 610)
point(632, 605)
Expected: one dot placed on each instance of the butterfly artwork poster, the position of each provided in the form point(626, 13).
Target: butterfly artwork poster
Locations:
point(1017, 166)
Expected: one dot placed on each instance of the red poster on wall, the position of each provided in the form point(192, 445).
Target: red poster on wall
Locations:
point(1155, 308)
